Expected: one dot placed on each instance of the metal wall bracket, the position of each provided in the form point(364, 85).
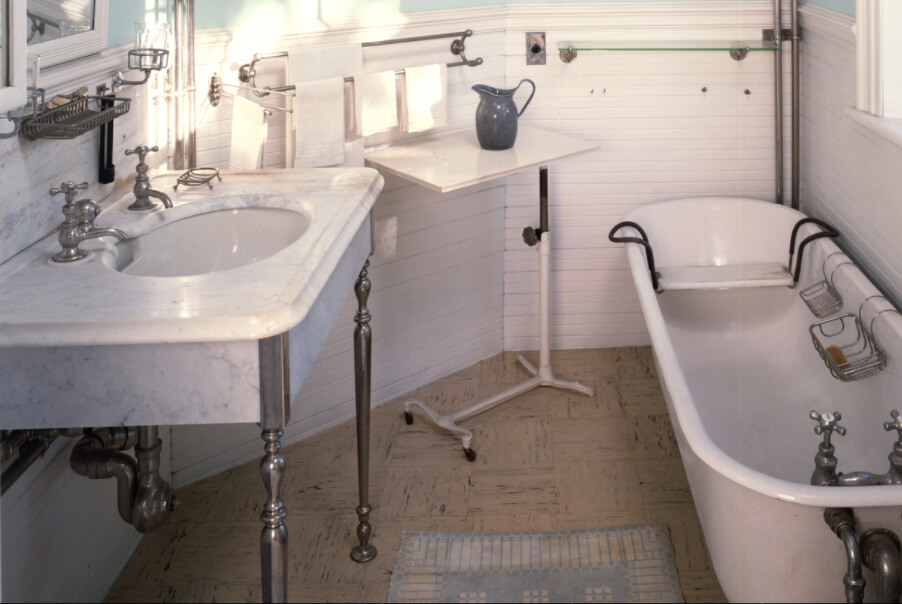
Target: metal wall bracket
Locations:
point(768, 34)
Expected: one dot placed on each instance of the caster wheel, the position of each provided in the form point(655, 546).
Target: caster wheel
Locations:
point(471, 454)
point(408, 417)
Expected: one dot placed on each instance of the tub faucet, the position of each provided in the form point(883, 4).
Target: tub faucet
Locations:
point(825, 473)
point(79, 223)
point(825, 462)
point(142, 189)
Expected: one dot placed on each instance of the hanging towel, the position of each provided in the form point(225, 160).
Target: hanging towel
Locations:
point(424, 98)
point(325, 62)
point(319, 109)
point(376, 102)
point(248, 134)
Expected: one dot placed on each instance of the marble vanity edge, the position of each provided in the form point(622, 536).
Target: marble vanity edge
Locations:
point(290, 310)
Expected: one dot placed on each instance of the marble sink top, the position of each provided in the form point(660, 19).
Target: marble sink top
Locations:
point(90, 302)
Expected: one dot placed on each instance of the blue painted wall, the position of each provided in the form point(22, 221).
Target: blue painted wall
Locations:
point(263, 14)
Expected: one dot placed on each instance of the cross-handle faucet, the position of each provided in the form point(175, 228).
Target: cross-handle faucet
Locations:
point(825, 462)
point(70, 189)
point(142, 189)
point(78, 224)
point(825, 473)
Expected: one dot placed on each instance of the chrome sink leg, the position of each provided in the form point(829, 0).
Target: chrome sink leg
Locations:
point(363, 336)
point(274, 539)
point(275, 408)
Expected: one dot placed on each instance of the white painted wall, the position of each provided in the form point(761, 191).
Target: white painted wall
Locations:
point(661, 137)
point(850, 174)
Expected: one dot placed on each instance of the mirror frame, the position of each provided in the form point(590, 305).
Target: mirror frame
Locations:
point(75, 46)
point(13, 95)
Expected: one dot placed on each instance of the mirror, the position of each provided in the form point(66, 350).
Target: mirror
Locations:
point(12, 54)
point(62, 30)
point(49, 20)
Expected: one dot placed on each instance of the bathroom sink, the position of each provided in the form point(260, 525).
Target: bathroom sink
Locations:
point(121, 336)
point(211, 242)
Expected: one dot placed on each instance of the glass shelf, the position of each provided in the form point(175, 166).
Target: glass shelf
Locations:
point(737, 49)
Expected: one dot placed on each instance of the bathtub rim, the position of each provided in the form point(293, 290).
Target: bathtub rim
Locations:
point(683, 407)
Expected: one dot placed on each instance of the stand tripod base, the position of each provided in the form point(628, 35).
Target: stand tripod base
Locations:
point(542, 376)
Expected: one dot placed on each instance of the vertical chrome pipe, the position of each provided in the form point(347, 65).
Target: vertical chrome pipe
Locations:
point(183, 136)
point(796, 111)
point(778, 101)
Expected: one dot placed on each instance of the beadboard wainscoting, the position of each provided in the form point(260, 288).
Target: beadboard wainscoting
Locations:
point(850, 174)
point(669, 124)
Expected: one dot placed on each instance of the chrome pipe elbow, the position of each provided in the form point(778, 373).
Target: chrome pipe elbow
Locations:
point(880, 551)
point(90, 458)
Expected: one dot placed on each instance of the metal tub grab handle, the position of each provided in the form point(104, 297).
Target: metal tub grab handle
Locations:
point(649, 255)
point(829, 231)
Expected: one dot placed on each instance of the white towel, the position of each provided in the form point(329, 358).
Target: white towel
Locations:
point(323, 62)
point(248, 134)
point(319, 111)
point(376, 102)
point(424, 98)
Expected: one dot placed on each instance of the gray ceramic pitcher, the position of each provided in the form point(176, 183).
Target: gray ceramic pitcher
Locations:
point(497, 115)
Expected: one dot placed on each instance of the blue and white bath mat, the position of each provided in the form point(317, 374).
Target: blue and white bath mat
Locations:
point(623, 564)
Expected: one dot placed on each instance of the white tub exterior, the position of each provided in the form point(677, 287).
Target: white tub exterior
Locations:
point(740, 375)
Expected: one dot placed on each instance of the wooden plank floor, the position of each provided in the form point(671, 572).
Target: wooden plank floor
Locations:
point(548, 459)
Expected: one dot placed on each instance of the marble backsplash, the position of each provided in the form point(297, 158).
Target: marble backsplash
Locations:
point(28, 169)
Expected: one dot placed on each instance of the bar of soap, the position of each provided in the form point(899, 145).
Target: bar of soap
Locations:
point(838, 357)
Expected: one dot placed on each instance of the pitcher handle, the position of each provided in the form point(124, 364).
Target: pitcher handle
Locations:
point(526, 104)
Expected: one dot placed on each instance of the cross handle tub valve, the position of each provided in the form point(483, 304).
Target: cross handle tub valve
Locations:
point(825, 462)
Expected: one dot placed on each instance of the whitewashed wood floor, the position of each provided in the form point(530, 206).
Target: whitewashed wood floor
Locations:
point(548, 459)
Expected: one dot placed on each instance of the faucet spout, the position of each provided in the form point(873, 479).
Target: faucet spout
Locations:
point(167, 203)
point(859, 479)
point(106, 232)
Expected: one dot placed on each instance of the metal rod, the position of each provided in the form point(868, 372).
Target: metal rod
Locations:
point(778, 101)
point(350, 79)
point(457, 34)
point(184, 152)
point(796, 112)
point(29, 453)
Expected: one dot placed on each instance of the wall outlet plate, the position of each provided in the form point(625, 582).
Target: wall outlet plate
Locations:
point(535, 48)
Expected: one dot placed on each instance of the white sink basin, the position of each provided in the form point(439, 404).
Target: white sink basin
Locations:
point(211, 242)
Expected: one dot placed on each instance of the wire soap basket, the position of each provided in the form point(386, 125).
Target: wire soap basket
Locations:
point(74, 118)
point(821, 297)
point(846, 347)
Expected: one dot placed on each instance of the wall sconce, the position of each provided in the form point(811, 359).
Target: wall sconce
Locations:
point(151, 53)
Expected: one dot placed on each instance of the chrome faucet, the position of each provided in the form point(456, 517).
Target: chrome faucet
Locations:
point(79, 223)
point(825, 473)
point(142, 189)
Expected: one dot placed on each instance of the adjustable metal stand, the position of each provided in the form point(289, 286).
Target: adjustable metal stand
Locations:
point(542, 375)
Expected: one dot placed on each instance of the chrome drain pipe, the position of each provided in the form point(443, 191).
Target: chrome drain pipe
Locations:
point(144, 499)
point(842, 522)
point(154, 499)
point(99, 455)
point(880, 553)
